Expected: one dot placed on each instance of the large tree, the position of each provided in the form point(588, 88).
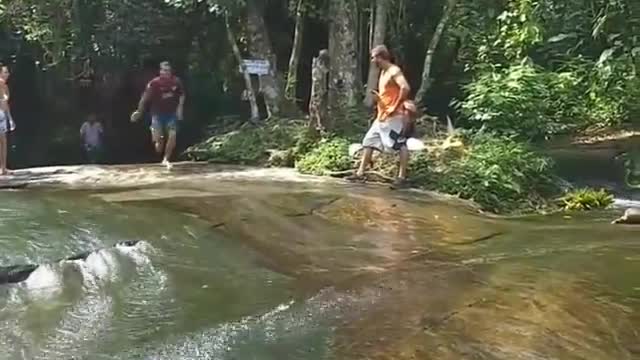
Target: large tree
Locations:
point(344, 79)
point(379, 31)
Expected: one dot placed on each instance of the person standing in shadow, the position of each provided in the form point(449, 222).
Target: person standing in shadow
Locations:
point(91, 133)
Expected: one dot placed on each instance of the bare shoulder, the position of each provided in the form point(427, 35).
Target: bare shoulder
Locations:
point(394, 70)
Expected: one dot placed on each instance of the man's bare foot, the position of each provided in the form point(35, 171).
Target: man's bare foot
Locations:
point(166, 163)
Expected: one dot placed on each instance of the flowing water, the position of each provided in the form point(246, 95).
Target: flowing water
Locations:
point(278, 270)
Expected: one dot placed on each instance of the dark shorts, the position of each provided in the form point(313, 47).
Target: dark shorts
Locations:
point(164, 122)
point(94, 153)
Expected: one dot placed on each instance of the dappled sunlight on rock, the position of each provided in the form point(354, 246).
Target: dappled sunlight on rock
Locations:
point(331, 236)
point(515, 312)
point(119, 176)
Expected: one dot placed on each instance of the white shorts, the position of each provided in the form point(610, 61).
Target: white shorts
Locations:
point(386, 136)
point(4, 122)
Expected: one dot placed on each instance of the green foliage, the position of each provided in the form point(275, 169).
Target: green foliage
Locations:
point(499, 174)
point(104, 30)
point(532, 103)
point(249, 144)
point(516, 31)
point(281, 142)
point(586, 199)
point(352, 123)
point(521, 100)
point(329, 155)
point(547, 66)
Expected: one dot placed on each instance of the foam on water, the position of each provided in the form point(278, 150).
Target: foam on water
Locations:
point(44, 282)
point(256, 334)
point(87, 323)
point(626, 203)
point(80, 329)
point(138, 253)
point(99, 266)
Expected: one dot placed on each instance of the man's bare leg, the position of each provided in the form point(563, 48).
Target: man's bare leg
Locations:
point(366, 160)
point(157, 140)
point(401, 180)
point(404, 163)
point(168, 151)
point(3, 154)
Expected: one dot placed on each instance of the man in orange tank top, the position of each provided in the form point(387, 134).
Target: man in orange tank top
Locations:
point(386, 132)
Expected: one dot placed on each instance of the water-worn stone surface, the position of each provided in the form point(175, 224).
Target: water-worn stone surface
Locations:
point(449, 283)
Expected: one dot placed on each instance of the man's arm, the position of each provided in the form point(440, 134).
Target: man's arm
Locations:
point(141, 104)
point(4, 98)
point(180, 110)
point(398, 77)
point(402, 82)
point(144, 98)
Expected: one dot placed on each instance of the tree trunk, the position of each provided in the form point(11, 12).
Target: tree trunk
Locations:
point(319, 89)
point(435, 39)
point(260, 48)
point(344, 80)
point(296, 50)
point(255, 114)
point(379, 32)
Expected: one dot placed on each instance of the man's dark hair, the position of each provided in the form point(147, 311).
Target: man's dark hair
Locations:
point(382, 52)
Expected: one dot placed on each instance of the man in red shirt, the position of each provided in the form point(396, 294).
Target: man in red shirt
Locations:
point(166, 95)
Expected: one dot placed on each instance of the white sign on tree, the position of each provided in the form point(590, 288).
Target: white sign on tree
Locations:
point(256, 67)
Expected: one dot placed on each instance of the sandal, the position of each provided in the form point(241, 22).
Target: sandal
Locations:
point(399, 183)
point(356, 178)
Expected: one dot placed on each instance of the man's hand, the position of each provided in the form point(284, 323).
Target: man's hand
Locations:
point(408, 127)
point(12, 124)
point(135, 116)
point(375, 96)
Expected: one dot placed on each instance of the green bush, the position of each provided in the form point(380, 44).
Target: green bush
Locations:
point(586, 199)
point(328, 155)
point(498, 173)
point(249, 144)
point(532, 103)
point(612, 93)
point(522, 100)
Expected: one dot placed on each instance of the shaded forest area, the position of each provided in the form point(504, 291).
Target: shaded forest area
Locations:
point(529, 69)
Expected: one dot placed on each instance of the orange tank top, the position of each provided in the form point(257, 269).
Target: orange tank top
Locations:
point(388, 96)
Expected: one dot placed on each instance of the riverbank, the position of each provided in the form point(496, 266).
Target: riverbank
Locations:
point(501, 174)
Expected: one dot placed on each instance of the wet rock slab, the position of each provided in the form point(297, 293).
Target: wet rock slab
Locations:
point(450, 283)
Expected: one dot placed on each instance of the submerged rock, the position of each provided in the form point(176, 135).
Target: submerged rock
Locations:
point(18, 273)
point(631, 216)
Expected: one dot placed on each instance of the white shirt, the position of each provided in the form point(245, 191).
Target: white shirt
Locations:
point(91, 133)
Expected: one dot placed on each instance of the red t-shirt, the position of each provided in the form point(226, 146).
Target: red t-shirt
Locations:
point(165, 93)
